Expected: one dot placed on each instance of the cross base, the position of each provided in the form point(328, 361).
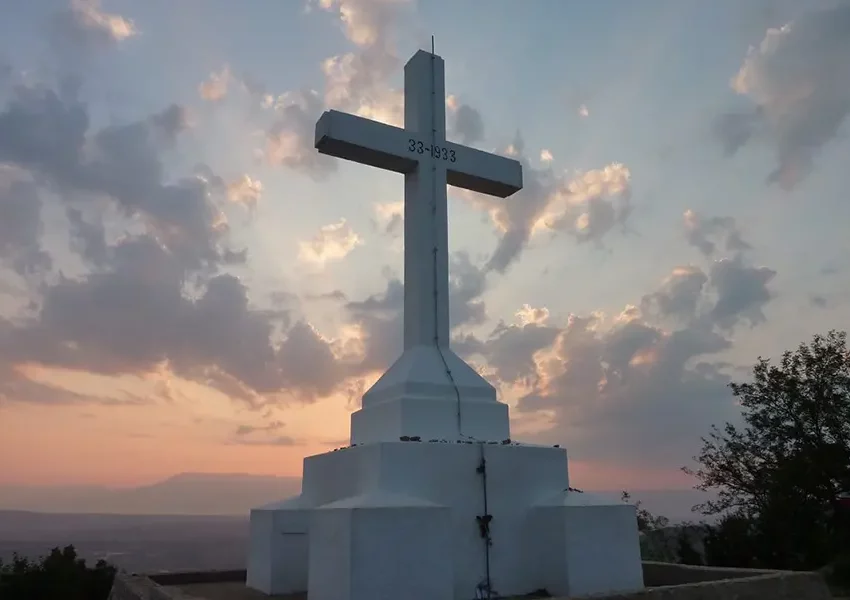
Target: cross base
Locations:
point(416, 397)
point(430, 419)
point(404, 520)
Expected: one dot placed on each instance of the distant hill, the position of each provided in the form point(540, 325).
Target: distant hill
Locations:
point(137, 543)
point(235, 494)
point(676, 505)
point(183, 494)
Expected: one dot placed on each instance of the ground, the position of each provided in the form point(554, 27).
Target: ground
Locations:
point(232, 590)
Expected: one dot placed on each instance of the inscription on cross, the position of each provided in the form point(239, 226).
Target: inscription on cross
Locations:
point(435, 151)
point(429, 162)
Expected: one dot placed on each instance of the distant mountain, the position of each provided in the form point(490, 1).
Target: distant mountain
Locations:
point(236, 493)
point(138, 543)
point(183, 494)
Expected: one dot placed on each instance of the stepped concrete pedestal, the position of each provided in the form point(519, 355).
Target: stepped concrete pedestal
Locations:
point(416, 398)
point(401, 520)
point(433, 501)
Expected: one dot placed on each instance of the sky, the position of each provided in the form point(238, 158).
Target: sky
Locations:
point(186, 285)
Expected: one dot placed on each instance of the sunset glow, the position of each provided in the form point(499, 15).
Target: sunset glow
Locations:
point(187, 285)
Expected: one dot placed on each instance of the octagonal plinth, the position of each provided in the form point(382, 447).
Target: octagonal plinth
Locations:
point(431, 393)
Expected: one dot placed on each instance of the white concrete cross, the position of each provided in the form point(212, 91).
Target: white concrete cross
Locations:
point(429, 162)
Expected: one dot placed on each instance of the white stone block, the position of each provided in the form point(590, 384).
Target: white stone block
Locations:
point(416, 397)
point(277, 550)
point(381, 546)
point(430, 419)
point(543, 536)
point(445, 474)
point(586, 544)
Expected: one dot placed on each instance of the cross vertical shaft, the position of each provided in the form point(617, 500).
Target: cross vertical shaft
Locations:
point(426, 261)
point(428, 391)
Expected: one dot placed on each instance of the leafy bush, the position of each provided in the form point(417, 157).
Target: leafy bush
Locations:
point(840, 575)
point(61, 575)
point(688, 555)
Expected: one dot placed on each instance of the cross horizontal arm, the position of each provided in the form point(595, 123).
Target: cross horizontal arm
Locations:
point(484, 172)
point(364, 141)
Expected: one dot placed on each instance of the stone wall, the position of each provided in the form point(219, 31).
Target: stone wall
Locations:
point(664, 573)
point(138, 587)
point(664, 581)
point(682, 582)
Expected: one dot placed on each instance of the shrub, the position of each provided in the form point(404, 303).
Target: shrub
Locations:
point(61, 575)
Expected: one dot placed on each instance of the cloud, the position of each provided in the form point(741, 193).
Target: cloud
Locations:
point(262, 435)
point(78, 34)
point(365, 22)
point(467, 283)
point(587, 206)
point(735, 129)
point(85, 24)
point(48, 136)
point(732, 292)
point(150, 295)
point(528, 315)
point(679, 294)
point(390, 217)
point(706, 234)
point(511, 349)
point(379, 317)
point(216, 85)
point(818, 301)
point(289, 140)
point(88, 239)
point(607, 385)
point(798, 79)
point(592, 203)
point(583, 111)
point(332, 296)
point(355, 82)
point(21, 229)
point(741, 291)
point(133, 317)
point(243, 430)
point(278, 440)
point(247, 429)
point(6, 71)
point(466, 124)
point(332, 242)
point(158, 290)
point(15, 387)
point(245, 191)
point(546, 156)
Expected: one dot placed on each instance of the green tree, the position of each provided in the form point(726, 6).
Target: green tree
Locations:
point(61, 575)
point(653, 539)
point(778, 476)
point(688, 555)
point(646, 520)
point(732, 543)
